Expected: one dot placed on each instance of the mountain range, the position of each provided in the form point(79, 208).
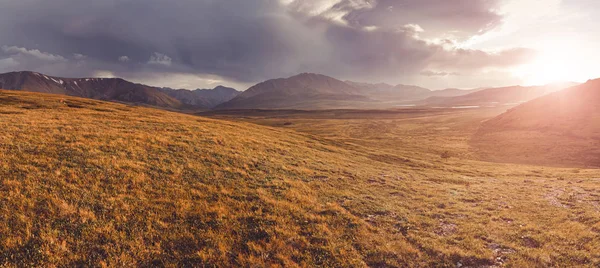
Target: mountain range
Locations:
point(316, 91)
point(205, 98)
point(306, 91)
point(386, 92)
point(116, 89)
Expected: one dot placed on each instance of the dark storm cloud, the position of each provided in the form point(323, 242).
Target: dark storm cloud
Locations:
point(201, 36)
point(243, 40)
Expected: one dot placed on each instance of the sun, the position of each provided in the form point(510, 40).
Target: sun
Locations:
point(550, 69)
point(557, 61)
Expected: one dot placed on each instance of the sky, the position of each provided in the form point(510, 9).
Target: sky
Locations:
point(204, 43)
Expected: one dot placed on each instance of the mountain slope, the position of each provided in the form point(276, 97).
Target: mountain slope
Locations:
point(557, 129)
point(495, 96)
point(116, 89)
point(113, 89)
point(206, 98)
point(304, 91)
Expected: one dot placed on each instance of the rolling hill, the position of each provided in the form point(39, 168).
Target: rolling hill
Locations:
point(116, 89)
point(558, 129)
point(86, 183)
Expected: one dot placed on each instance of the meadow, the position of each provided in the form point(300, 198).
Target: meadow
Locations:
point(91, 183)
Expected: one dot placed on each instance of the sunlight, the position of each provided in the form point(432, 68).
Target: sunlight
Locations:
point(557, 61)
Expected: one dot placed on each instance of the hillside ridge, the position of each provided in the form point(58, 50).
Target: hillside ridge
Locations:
point(561, 128)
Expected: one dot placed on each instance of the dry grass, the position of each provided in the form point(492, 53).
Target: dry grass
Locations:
point(84, 182)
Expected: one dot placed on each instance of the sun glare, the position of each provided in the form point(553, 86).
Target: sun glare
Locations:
point(557, 61)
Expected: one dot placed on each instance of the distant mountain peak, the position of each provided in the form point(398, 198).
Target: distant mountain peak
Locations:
point(301, 75)
point(305, 90)
point(206, 98)
point(224, 88)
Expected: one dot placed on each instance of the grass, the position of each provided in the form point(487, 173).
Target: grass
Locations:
point(85, 182)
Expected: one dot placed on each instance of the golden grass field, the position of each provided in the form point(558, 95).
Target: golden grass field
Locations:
point(91, 183)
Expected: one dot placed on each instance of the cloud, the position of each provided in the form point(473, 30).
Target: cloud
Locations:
point(104, 74)
point(333, 10)
point(438, 73)
point(160, 59)
point(247, 41)
point(78, 56)
point(183, 80)
point(33, 53)
point(457, 18)
point(473, 60)
point(8, 63)
point(413, 28)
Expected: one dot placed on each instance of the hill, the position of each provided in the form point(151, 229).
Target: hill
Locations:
point(86, 183)
point(303, 91)
point(92, 183)
point(205, 98)
point(560, 129)
point(504, 96)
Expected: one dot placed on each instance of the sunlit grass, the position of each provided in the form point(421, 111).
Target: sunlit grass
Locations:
point(84, 182)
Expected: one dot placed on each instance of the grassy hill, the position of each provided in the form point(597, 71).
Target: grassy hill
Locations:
point(562, 128)
point(85, 182)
